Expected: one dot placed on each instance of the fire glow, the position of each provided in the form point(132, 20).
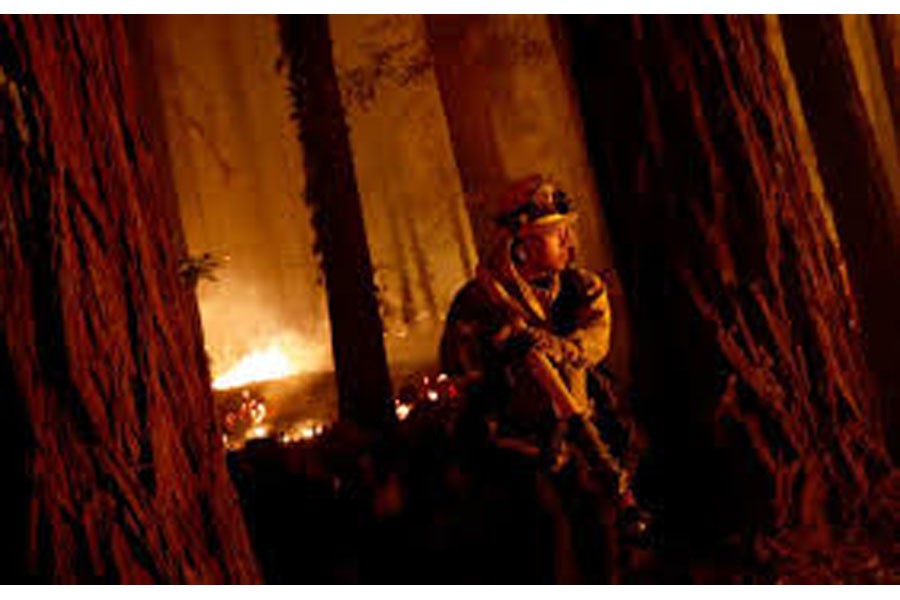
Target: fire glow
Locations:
point(303, 431)
point(271, 362)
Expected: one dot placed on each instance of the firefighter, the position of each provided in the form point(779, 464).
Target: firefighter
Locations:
point(523, 336)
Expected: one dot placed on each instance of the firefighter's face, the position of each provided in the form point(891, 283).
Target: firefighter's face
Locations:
point(549, 249)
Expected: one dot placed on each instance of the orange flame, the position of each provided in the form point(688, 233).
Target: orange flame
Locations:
point(272, 362)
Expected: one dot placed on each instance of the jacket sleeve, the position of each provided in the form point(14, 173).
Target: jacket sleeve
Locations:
point(593, 320)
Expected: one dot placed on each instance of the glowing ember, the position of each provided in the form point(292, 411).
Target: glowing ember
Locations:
point(305, 430)
point(425, 394)
point(402, 411)
point(258, 432)
point(260, 365)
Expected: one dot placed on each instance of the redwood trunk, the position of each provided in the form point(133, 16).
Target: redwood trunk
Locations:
point(357, 334)
point(119, 460)
point(857, 180)
point(749, 339)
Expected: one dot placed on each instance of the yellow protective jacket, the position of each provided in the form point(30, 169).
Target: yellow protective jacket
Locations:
point(484, 344)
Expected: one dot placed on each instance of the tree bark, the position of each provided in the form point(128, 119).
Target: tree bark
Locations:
point(120, 463)
point(357, 333)
point(857, 177)
point(749, 341)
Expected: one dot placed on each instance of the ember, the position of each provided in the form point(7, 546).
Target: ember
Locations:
point(422, 391)
point(244, 418)
point(302, 431)
point(402, 410)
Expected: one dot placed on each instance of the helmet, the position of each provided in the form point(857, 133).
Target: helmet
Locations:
point(533, 202)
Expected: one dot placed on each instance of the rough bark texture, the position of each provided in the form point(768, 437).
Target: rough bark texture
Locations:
point(749, 336)
point(101, 355)
point(360, 361)
point(859, 188)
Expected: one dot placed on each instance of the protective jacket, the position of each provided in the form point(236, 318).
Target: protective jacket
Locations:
point(498, 317)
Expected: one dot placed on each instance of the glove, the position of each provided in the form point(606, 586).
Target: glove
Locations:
point(558, 349)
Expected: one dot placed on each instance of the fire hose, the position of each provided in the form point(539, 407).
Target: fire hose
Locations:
point(634, 521)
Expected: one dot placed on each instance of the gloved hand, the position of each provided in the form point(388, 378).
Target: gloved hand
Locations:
point(558, 349)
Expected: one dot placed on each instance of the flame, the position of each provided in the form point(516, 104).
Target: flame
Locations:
point(272, 362)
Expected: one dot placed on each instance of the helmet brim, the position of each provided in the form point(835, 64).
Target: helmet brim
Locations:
point(548, 222)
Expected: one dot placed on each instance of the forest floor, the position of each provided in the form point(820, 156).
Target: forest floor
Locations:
point(351, 508)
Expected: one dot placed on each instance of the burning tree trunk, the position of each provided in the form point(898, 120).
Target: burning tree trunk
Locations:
point(118, 460)
point(356, 329)
point(747, 322)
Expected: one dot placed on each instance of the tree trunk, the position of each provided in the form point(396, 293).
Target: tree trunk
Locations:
point(859, 183)
point(102, 361)
point(749, 342)
point(357, 334)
